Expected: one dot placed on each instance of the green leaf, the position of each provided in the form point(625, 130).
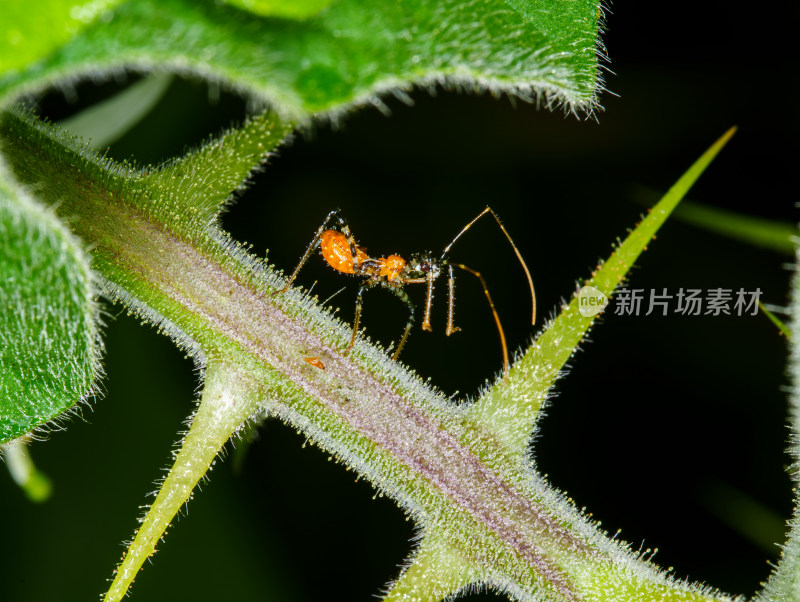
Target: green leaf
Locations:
point(754, 521)
point(32, 31)
point(764, 233)
point(768, 234)
point(106, 122)
point(298, 9)
point(345, 54)
point(48, 337)
point(782, 328)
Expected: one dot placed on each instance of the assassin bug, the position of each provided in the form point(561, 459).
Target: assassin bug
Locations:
point(340, 250)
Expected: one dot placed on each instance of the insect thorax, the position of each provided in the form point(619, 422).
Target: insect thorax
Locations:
point(424, 265)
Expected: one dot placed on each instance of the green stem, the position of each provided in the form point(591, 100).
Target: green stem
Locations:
point(435, 572)
point(34, 483)
point(449, 470)
point(224, 407)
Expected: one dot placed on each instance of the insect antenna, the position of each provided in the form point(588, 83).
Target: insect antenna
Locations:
point(444, 261)
point(513, 246)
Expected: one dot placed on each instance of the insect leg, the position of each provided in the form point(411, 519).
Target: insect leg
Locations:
point(314, 244)
point(426, 320)
point(451, 302)
point(494, 313)
point(513, 246)
point(411, 308)
point(357, 318)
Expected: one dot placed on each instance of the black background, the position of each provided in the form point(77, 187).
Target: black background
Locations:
point(661, 423)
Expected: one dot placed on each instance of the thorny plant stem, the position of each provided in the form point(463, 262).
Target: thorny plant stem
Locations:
point(453, 473)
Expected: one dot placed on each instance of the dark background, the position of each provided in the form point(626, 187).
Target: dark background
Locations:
point(662, 426)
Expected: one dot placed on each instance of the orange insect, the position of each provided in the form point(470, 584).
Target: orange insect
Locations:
point(342, 253)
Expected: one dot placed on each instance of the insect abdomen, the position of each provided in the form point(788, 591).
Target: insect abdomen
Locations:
point(336, 251)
